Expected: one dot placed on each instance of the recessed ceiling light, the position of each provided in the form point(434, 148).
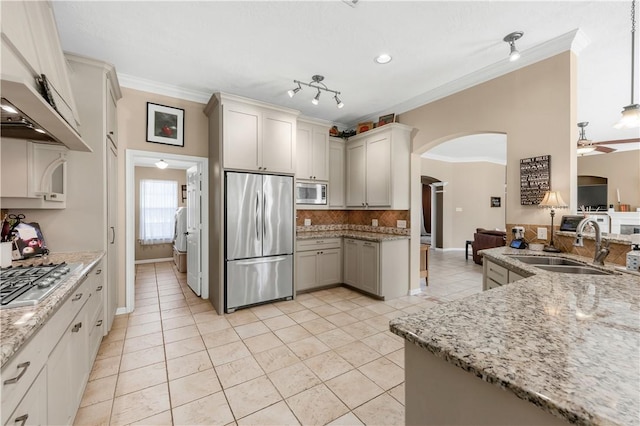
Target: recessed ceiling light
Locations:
point(383, 59)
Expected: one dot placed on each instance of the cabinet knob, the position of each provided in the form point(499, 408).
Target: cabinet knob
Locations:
point(99, 271)
point(24, 366)
point(310, 177)
point(77, 297)
point(99, 288)
point(76, 327)
point(99, 323)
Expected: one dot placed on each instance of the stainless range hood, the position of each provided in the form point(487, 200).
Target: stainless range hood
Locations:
point(27, 115)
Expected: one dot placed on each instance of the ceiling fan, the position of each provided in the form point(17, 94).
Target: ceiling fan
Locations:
point(585, 146)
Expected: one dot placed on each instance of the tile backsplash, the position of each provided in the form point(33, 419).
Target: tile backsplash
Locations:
point(617, 254)
point(386, 218)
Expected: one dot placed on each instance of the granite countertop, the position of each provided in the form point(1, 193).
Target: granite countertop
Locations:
point(18, 325)
point(358, 235)
point(567, 343)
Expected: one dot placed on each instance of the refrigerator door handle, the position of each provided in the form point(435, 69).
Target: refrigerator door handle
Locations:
point(261, 260)
point(257, 209)
point(264, 221)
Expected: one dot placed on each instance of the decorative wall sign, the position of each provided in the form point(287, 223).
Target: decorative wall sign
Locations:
point(495, 201)
point(165, 124)
point(535, 179)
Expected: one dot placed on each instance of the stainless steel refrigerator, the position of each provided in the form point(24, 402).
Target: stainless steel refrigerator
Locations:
point(259, 238)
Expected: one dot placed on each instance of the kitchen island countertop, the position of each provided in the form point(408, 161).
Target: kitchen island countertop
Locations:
point(569, 344)
point(18, 325)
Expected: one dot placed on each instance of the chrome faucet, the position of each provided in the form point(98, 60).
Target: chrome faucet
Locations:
point(602, 250)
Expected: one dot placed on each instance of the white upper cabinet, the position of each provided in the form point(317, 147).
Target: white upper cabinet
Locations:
point(241, 136)
point(278, 141)
point(336, 173)
point(312, 146)
point(33, 175)
point(378, 168)
point(255, 136)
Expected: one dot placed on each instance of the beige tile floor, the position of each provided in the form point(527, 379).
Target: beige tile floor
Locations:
point(325, 358)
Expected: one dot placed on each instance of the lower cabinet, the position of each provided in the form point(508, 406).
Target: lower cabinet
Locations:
point(44, 382)
point(495, 275)
point(32, 410)
point(318, 263)
point(378, 268)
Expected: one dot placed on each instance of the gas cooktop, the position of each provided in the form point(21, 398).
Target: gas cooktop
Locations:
point(28, 285)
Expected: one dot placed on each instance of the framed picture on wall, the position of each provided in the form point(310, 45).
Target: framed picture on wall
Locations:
point(495, 201)
point(165, 124)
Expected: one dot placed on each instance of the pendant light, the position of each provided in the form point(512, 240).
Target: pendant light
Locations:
point(631, 113)
point(162, 164)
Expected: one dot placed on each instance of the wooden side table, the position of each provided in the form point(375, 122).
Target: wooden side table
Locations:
point(424, 260)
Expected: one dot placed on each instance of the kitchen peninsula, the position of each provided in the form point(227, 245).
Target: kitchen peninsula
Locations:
point(549, 349)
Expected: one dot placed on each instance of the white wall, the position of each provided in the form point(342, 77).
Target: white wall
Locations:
point(470, 188)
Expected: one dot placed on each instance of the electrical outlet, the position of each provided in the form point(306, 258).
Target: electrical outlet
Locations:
point(401, 223)
point(307, 222)
point(458, 209)
point(374, 222)
point(542, 233)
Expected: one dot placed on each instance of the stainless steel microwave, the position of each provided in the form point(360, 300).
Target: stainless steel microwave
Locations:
point(308, 193)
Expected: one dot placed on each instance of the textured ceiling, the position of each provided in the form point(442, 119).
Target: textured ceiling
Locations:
point(256, 49)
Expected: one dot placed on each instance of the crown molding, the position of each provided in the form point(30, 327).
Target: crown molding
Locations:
point(164, 89)
point(575, 41)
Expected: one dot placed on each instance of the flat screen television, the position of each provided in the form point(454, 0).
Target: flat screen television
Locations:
point(593, 197)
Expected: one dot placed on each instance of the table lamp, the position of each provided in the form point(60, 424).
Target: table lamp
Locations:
point(552, 200)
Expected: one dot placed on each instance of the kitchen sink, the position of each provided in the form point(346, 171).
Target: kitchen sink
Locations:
point(568, 269)
point(547, 260)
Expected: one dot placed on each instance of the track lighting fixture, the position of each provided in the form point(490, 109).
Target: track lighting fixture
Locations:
point(514, 55)
point(631, 113)
point(162, 164)
point(316, 98)
point(292, 92)
point(316, 83)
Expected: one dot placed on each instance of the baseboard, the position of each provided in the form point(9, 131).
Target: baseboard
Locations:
point(451, 249)
point(121, 311)
point(415, 291)
point(165, 259)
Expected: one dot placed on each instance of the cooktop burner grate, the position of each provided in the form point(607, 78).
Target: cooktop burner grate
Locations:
point(27, 285)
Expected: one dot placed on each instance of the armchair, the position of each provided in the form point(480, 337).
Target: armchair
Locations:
point(484, 239)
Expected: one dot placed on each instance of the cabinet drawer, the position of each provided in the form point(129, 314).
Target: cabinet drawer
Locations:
point(319, 244)
point(497, 273)
point(20, 372)
point(96, 332)
point(32, 409)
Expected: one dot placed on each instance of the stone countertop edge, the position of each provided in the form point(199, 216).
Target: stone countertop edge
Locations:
point(19, 325)
point(494, 335)
point(358, 235)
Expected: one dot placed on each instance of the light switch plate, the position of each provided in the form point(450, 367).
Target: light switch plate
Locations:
point(307, 222)
point(374, 222)
point(542, 233)
point(401, 223)
point(458, 209)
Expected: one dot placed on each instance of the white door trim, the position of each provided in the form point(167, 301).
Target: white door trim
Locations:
point(136, 157)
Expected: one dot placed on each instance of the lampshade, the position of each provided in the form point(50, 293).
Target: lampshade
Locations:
point(552, 200)
point(585, 149)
